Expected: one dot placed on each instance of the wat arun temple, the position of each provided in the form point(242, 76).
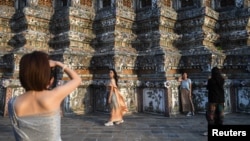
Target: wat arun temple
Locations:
point(148, 42)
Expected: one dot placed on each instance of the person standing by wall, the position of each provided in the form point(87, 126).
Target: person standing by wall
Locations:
point(35, 114)
point(186, 95)
point(115, 100)
point(216, 99)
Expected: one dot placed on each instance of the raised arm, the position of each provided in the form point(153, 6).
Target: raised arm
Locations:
point(60, 92)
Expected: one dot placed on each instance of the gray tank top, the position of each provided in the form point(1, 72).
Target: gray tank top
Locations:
point(35, 128)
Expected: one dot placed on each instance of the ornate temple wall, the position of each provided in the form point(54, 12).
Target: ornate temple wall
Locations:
point(148, 42)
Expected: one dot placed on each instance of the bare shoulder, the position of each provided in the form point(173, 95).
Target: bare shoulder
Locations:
point(20, 98)
point(113, 83)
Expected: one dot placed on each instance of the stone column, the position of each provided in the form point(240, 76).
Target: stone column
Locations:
point(157, 59)
point(72, 36)
point(114, 23)
point(7, 11)
point(234, 29)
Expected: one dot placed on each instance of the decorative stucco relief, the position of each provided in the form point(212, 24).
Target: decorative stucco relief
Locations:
point(243, 99)
point(77, 102)
point(168, 13)
point(6, 12)
point(153, 100)
point(236, 61)
point(83, 12)
point(191, 13)
point(35, 2)
point(7, 2)
point(125, 12)
point(244, 12)
point(211, 13)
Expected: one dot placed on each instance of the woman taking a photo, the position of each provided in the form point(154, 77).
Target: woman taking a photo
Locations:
point(35, 114)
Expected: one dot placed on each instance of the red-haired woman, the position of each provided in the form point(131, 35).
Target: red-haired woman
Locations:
point(35, 114)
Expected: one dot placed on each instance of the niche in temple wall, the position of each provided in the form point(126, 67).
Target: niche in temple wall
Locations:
point(63, 3)
point(225, 3)
point(200, 96)
point(243, 99)
point(141, 4)
point(154, 100)
point(100, 98)
point(186, 4)
point(145, 3)
point(20, 4)
point(105, 3)
point(228, 4)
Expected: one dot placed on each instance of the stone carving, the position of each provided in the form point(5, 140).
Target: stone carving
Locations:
point(17, 91)
point(243, 99)
point(239, 3)
point(211, 36)
point(235, 35)
point(153, 100)
point(200, 99)
point(33, 2)
point(7, 2)
point(127, 3)
point(9, 83)
point(211, 13)
point(75, 2)
point(76, 100)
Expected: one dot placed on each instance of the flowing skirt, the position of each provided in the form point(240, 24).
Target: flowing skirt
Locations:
point(117, 107)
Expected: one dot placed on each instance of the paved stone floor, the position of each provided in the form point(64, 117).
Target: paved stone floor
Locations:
point(137, 127)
